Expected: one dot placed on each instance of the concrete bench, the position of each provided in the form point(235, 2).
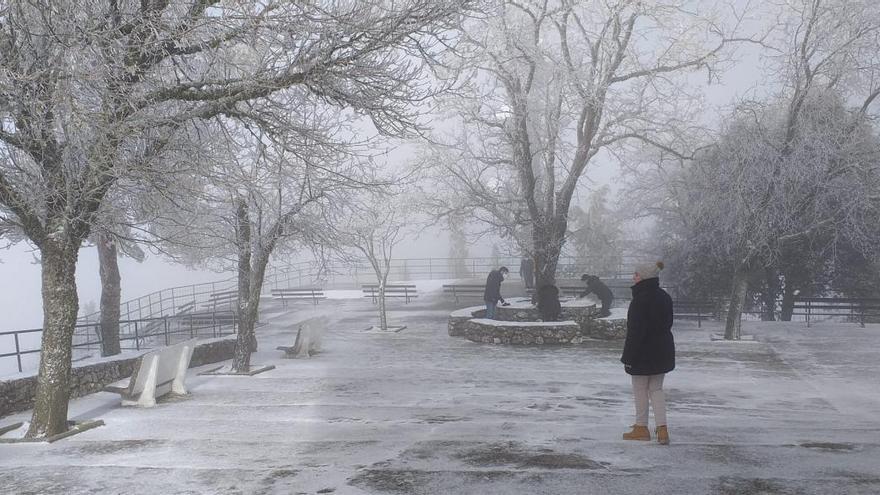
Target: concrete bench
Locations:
point(405, 291)
point(302, 294)
point(307, 343)
point(157, 373)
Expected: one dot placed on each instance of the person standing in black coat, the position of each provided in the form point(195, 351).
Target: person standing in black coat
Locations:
point(649, 351)
point(492, 293)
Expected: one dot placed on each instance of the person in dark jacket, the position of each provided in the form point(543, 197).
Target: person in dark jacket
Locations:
point(649, 351)
point(492, 293)
point(527, 272)
point(595, 286)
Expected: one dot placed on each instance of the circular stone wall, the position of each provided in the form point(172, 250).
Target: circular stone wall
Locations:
point(522, 332)
point(518, 324)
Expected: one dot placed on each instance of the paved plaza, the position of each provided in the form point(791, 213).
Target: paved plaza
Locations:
point(419, 412)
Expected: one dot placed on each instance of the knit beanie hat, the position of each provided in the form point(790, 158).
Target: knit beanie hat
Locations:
point(649, 270)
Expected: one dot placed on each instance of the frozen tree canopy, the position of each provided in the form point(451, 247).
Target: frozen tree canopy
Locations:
point(572, 136)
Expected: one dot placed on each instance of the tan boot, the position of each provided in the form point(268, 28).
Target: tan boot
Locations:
point(662, 435)
point(638, 433)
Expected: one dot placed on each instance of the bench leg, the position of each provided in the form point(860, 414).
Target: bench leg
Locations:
point(178, 385)
point(148, 396)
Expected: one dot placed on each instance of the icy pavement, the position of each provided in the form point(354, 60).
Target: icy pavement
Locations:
point(419, 412)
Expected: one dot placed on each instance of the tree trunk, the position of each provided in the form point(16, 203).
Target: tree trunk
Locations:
point(732, 330)
point(548, 241)
point(383, 317)
point(249, 310)
point(60, 307)
point(244, 345)
point(788, 297)
point(768, 295)
point(111, 293)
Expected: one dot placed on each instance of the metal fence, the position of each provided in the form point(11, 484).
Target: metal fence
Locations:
point(150, 315)
point(283, 275)
point(354, 274)
point(138, 334)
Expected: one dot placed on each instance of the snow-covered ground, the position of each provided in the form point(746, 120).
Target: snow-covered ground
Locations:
point(419, 412)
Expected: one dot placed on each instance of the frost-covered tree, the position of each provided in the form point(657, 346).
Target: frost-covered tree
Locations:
point(789, 174)
point(458, 246)
point(82, 82)
point(596, 235)
point(755, 197)
point(264, 195)
point(824, 50)
point(552, 86)
point(371, 226)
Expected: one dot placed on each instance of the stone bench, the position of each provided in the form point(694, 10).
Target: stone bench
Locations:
point(156, 373)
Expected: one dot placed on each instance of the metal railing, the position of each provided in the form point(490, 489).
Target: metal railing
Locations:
point(138, 334)
point(148, 315)
point(354, 274)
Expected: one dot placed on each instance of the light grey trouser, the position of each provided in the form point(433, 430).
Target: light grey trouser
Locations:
point(645, 387)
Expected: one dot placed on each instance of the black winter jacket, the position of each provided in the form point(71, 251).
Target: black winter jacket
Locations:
point(596, 286)
point(649, 347)
point(492, 294)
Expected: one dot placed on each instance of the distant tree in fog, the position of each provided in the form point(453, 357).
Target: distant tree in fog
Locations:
point(596, 235)
point(754, 201)
point(551, 86)
point(371, 225)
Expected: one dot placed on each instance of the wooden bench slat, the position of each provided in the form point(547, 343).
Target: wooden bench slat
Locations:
point(406, 291)
point(313, 293)
point(850, 307)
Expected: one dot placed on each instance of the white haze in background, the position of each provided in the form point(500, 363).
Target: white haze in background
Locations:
point(20, 300)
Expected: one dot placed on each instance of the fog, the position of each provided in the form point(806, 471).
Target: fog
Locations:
point(20, 301)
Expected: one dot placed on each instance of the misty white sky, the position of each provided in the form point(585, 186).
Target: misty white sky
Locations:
point(20, 301)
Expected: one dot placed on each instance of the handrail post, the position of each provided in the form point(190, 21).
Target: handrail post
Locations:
point(809, 310)
point(17, 351)
point(165, 322)
point(137, 341)
point(862, 314)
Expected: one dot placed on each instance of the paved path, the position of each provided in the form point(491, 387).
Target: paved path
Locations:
point(419, 412)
